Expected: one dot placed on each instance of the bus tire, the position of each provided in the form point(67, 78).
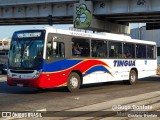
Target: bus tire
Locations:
point(132, 78)
point(74, 82)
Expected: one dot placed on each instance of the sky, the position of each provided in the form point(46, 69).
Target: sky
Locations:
point(137, 25)
point(7, 31)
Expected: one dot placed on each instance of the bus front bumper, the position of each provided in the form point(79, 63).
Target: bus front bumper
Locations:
point(23, 82)
point(43, 81)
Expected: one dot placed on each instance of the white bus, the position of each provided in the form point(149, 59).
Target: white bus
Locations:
point(47, 58)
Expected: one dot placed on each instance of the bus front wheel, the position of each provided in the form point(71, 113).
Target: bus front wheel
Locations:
point(132, 78)
point(73, 82)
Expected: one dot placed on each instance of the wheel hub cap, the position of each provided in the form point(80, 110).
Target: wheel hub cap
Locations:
point(133, 77)
point(74, 82)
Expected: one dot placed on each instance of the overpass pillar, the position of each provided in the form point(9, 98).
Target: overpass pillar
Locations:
point(85, 19)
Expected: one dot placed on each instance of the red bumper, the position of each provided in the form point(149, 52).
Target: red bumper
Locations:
point(43, 81)
point(24, 82)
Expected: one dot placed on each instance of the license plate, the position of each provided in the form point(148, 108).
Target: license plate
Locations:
point(20, 85)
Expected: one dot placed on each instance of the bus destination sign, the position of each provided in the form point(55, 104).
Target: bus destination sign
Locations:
point(28, 35)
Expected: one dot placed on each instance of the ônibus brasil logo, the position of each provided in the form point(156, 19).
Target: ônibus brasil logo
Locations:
point(125, 63)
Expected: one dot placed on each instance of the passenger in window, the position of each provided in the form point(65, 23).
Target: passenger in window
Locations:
point(76, 51)
point(85, 52)
point(111, 53)
point(116, 53)
point(49, 52)
point(124, 55)
point(128, 54)
point(95, 50)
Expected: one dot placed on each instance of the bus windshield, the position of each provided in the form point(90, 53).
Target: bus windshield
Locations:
point(26, 51)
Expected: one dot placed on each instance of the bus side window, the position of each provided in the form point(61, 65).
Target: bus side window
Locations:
point(55, 50)
point(115, 49)
point(80, 47)
point(150, 52)
point(141, 51)
point(59, 51)
point(128, 50)
point(111, 53)
point(99, 48)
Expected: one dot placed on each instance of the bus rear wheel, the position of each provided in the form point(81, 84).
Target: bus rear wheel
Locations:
point(73, 82)
point(132, 78)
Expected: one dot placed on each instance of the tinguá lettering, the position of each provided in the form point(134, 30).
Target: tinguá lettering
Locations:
point(124, 63)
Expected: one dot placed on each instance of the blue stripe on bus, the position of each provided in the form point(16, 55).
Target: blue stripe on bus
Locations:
point(60, 65)
point(97, 68)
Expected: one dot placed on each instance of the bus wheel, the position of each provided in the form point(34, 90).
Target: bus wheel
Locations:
point(73, 82)
point(132, 78)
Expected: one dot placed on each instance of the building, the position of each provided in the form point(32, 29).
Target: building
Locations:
point(5, 44)
point(4, 48)
point(150, 35)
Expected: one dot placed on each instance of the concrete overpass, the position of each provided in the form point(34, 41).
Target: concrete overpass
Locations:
point(116, 12)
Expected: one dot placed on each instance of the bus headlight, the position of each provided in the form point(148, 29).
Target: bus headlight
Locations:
point(37, 74)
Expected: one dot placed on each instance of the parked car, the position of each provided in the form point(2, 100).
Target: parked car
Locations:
point(3, 69)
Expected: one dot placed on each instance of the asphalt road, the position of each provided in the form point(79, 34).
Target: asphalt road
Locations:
point(58, 99)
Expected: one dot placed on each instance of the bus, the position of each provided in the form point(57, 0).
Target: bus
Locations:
point(48, 58)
